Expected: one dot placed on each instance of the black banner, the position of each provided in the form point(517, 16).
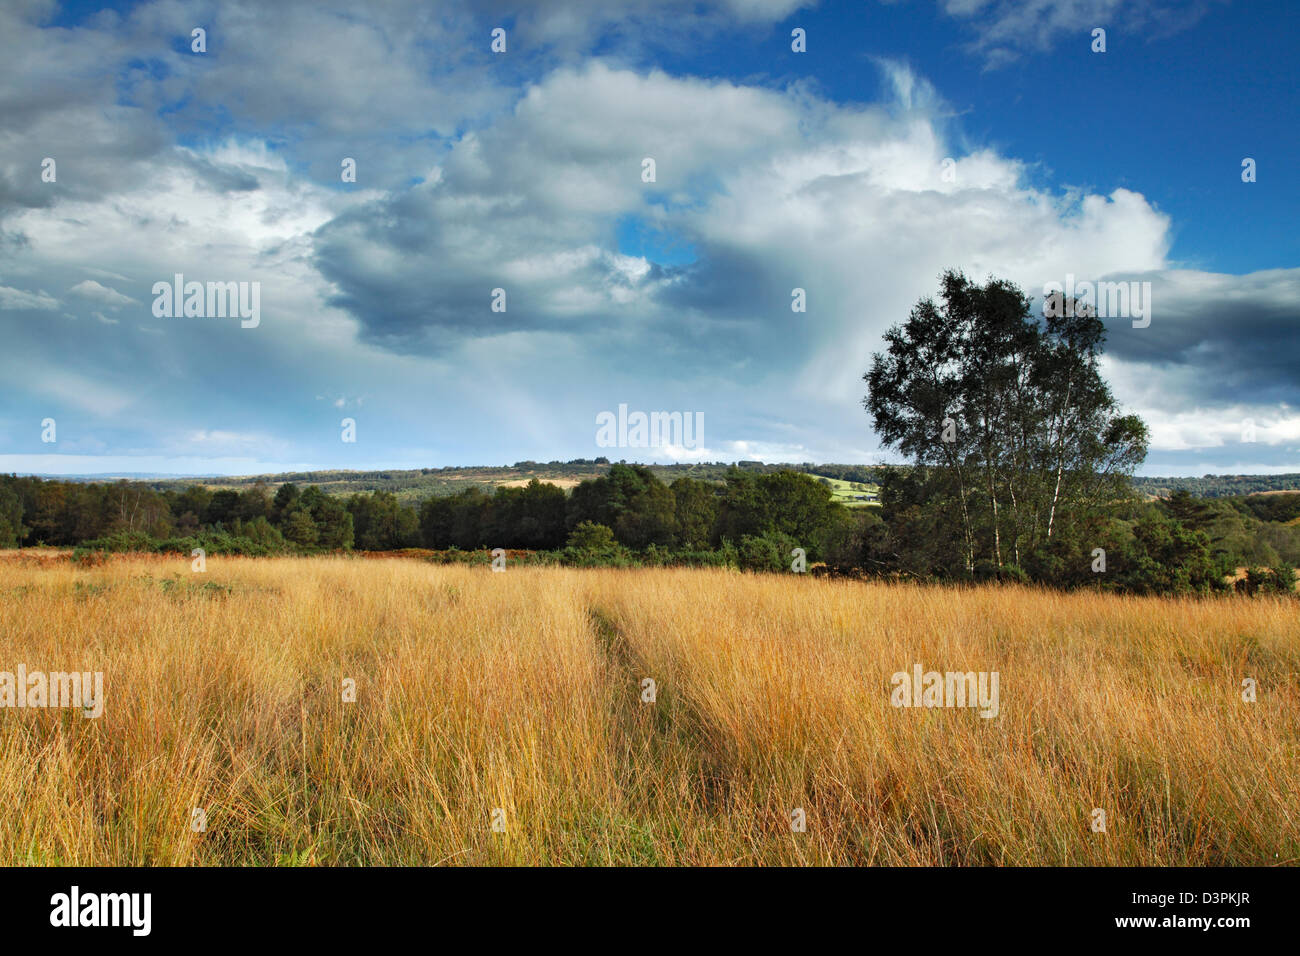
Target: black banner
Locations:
point(335, 906)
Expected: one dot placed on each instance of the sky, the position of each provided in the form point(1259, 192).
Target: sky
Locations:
point(904, 139)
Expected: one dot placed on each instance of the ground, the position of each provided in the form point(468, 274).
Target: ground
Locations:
point(521, 698)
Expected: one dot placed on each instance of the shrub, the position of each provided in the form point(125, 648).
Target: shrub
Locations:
point(590, 536)
point(767, 552)
point(122, 541)
point(1014, 573)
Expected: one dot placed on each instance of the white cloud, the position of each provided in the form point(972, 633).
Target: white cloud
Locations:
point(1006, 29)
point(94, 292)
point(1202, 428)
point(11, 298)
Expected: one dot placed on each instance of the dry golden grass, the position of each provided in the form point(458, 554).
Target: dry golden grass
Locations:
point(565, 483)
point(520, 691)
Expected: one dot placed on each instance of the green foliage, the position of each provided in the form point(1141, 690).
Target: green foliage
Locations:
point(529, 517)
point(639, 508)
point(696, 511)
point(258, 540)
point(1280, 581)
point(750, 516)
point(121, 542)
point(1219, 486)
point(12, 531)
point(457, 521)
point(1236, 537)
point(285, 498)
point(334, 526)
point(379, 522)
point(261, 534)
point(1008, 420)
point(299, 528)
point(1284, 578)
point(786, 503)
point(589, 536)
point(1280, 508)
point(846, 542)
point(1166, 558)
point(767, 552)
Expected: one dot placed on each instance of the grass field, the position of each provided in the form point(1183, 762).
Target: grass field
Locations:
point(520, 692)
point(851, 494)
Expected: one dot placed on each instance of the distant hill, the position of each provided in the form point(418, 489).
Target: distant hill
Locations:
point(415, 484)
point(412, 485)
point(1219, 486)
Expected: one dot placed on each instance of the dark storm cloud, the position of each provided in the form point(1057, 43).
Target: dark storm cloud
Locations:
point(1239, 335)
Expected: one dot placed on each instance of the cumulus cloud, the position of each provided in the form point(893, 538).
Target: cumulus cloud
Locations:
point(524, 175)
point(95, 292)
point(773, 190)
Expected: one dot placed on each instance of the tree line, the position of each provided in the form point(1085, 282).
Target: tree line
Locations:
point(1219, 486)
point(629, 517)
point(1020, 468)
point(751, 520)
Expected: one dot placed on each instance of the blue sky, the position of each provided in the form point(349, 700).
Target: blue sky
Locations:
point(522, 171)
point(1165, 111)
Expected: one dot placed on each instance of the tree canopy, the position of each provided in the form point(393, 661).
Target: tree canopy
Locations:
point(1015, 435)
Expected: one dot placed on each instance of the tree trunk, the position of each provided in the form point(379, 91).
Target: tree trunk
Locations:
point(1060, 460)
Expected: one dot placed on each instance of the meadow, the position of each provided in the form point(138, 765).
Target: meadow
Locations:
point(516, 698)
point(850, 494)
